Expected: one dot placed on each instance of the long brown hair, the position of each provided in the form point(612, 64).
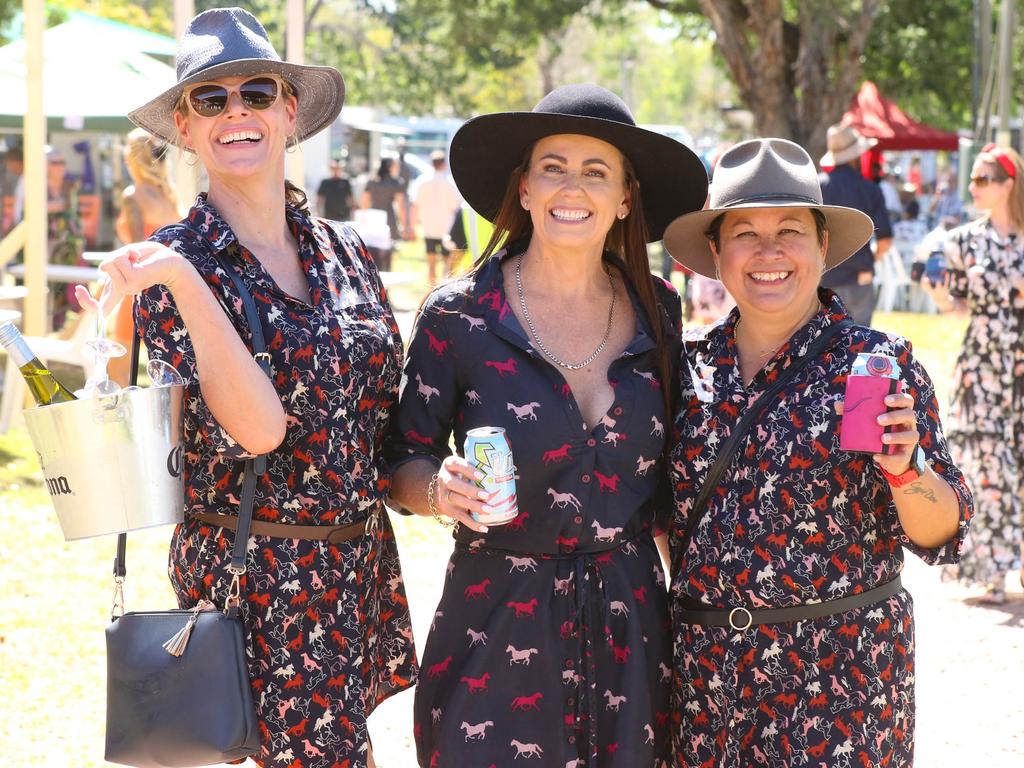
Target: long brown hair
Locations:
point(627, 239)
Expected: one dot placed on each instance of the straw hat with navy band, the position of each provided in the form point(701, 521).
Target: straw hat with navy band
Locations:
point(230, 42)
point(764, 173)
point(486, 149)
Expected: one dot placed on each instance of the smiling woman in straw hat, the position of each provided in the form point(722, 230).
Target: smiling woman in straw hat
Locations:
point(788, 613)
point(327, 623)
point(560, 336)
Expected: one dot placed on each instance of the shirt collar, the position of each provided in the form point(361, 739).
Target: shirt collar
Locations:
point(722, 345)
point(204, 219)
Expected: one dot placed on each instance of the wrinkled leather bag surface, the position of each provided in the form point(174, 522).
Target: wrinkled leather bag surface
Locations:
point(178, 712)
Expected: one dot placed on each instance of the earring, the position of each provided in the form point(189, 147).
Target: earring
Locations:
point(623, 214)
point(525, 203)
point(193, 157)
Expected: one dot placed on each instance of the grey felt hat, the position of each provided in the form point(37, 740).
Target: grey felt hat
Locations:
point(764, 173)
point(230, 42)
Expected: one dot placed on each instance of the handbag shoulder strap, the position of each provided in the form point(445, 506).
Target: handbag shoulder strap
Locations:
point(725, 456)
point(253, 468)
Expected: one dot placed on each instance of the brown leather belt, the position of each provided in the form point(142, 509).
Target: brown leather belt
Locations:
point(332, 534)
point(742, 618)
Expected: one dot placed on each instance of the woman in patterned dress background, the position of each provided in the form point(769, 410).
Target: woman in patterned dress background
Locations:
point(327, 626)
point(793, 638)
point(550, 642)
point(985, 262)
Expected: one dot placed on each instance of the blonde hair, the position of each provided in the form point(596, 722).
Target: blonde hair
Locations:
point(1015, 202)
point(144, 156)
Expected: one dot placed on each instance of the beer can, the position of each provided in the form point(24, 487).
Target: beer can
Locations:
point(488, 450)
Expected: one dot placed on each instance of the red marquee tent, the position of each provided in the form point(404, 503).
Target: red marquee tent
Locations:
point(876, 117)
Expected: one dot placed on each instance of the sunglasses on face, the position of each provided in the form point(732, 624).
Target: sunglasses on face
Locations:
point(984, 179)
point(210, 99)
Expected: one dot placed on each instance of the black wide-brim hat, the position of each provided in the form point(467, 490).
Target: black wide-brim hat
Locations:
point(230, 42)
point(486, 149)
point(765, 173)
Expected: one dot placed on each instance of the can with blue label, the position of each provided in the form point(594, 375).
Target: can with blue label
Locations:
point(488, 449)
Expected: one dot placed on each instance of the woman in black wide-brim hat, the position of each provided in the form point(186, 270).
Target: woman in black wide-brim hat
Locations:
point(550, 641)
point(326, 618)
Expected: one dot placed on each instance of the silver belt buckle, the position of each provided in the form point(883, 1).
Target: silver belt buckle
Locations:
point(732, 619)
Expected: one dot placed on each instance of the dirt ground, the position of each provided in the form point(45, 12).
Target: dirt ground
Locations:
point(970, 666)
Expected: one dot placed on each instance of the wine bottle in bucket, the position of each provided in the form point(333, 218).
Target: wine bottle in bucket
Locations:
point(43, 385)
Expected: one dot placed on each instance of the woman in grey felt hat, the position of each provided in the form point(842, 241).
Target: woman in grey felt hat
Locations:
point(327, 622)
point(793, 638)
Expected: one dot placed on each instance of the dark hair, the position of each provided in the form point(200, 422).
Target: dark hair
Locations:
point(384, 169)
point(714, 230)
point(627, 239)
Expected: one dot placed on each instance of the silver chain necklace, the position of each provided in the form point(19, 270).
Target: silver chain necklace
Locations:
point(540, 344)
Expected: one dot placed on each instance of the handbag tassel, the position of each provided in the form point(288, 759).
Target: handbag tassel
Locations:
point(177, 644)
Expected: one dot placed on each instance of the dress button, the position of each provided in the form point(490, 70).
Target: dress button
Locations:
point(585, 477)
point(578, 519)
point(617, 411)
point(572, 739)
point(571, 701)
point(591, 442)
point(569, 663)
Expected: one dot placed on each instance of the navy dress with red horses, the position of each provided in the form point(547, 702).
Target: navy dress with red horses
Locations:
point(550, 642)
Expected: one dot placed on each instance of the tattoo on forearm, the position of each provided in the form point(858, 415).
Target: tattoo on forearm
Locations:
point(919, 489)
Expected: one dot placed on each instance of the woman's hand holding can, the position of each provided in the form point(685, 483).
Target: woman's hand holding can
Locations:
point(458, 495)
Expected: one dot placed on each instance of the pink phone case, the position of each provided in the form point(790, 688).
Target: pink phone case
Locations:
point(863, 403)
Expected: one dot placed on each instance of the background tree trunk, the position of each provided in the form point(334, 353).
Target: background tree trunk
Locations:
point(796, 71)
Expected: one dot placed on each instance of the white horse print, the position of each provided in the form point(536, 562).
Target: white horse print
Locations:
point(425, 390)
point(527, 750)
point(476, 732)
point(525, 412)
point(562, 500)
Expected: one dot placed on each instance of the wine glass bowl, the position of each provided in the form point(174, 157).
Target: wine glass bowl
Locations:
point(163, 374)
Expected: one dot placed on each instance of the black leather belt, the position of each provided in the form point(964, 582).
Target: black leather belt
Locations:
point(742, 618)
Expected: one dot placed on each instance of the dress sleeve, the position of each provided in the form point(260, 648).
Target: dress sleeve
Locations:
point(933, 441)
point(166, 338)
point(422, 424)
point(880, 215)
point(956, 266)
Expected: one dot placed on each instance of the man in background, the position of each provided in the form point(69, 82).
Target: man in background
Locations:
point(334, 198)
point(844, 185)
point(435, 202)
point(14, 184)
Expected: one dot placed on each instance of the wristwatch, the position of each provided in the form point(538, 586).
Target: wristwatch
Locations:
point(914, 472)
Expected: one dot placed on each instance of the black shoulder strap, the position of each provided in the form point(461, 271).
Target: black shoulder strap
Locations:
point(725, 456)
point(253, 467)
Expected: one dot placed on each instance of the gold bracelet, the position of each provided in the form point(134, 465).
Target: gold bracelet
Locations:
point(432, 504)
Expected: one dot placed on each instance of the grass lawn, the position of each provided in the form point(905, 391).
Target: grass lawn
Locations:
point(57, 595)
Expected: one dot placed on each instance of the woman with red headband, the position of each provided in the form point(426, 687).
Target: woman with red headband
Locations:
point(985, 424)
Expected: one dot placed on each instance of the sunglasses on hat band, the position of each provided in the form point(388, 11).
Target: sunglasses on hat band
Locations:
point(210, 99)
point(1002, 157)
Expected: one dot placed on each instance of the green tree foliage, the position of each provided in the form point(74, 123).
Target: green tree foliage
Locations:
point(920, 55)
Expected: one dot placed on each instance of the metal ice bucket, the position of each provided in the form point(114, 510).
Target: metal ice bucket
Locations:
point(112, 464)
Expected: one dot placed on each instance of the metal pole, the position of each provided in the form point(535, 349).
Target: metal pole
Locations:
point(1006, 21)
point(186, 178)
point(295, 52)
point(37, 321)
